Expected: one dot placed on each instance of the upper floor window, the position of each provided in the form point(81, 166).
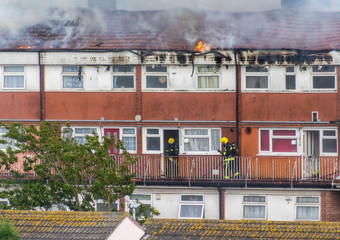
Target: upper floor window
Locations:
point(208, 76)
point(156, 76)
point(278, 140)
point(256, 77)
point(14, 77)
point(123, 76)
point(324, 77)
point(290, 78)
point(201, 140)
point(72, 77)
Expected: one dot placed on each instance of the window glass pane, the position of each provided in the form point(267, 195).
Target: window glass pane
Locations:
point(123, 82)
point(129, 143)
point(128, 131)
point(323, 68)
point(323, 81)
point(104, 207)
point(156, 69)
point(329, 133)
point(284, 145)
point(264, 140)
point(196, 131)
point(14, 69)
point(152, 131)
point(196, 198)
point(72, 82)
point(307, 213)
point(290, 69)
point(80, 139)
point(85, 130)
point(284, 132)
point(256, 69)
point(290, 82)
point(191, 211)
point(140, 197)
point(208, 82)
point(72, 69)
point(256, 82)
point(329, 145)
point(251, 211)
point(123, 68)
point(14, 82)
point(153, 143)
point(156, 81)
point(307, 200)
point(215, 139)
point(208, 68)
point(254, 198)
point(197, 144)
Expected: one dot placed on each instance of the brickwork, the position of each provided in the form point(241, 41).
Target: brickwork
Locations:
point(330, 206)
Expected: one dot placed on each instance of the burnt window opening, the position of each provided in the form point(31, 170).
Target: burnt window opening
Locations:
point(324, 77)
point(156, 76)
point(290, 78)
point(323, 68)
point(256, 69)
point(72, 77)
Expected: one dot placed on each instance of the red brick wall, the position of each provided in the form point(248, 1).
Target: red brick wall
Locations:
point(330, 206)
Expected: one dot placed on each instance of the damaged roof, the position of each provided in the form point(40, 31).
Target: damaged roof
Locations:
point(181, 30)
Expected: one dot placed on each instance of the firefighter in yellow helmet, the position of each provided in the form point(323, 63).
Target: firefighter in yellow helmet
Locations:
point(172, 159)
point(229, 152)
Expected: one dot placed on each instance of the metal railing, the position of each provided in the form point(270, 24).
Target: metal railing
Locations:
point(192, 168)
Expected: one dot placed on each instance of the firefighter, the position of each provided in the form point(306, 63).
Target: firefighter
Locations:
point(172, 160)
point(229, 152)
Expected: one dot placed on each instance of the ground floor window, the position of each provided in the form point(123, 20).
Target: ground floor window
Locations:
point(254, 207)
point(307, 208)
point(191, 206)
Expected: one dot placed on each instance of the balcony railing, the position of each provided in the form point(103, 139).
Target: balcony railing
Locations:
point(195, 168)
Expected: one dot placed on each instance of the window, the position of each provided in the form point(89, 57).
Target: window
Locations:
point(72, 77)
point(14, 77)
point(143, 199)
point(79, 133)
point(10, 142)
point(323, 77)
point(256, 77)
point(129, 139)
point(201, 140)
point(100, 206)
point(290, 78)
point(278, 140)
point(153, 140)
point(307, 208)
point(329, 141)
point(208, 76)
point(254, 207)
point(191, 206)
point(123, 76)
point(156, 77)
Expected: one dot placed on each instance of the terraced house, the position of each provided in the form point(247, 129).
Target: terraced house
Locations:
point(266, 80)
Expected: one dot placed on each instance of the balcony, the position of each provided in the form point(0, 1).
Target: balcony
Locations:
point(210, 171)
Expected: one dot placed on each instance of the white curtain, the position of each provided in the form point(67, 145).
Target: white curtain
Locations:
point(197, 144)
point(208, 82)
point(14, 82)
point(254, 211)
point(256, 82)
point(72, 82)
point(129, 143)
point(307, 213)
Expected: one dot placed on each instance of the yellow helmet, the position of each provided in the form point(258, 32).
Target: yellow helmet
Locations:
point(171, 140)
point(224, 140)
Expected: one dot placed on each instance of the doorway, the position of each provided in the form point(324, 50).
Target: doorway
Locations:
point(311, 163)
point(115, 133)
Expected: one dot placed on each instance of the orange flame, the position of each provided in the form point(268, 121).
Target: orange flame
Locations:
point(24, 47)
point(202, 47)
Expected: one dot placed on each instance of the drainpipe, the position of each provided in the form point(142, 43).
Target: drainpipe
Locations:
point(220, 200)
point(41, 73)
point(237, 98)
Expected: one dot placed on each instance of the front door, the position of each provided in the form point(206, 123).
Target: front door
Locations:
point(311, 153)
point(115, 133)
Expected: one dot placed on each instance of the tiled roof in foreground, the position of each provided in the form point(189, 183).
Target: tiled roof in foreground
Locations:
point(243, 229)
point(35, 225)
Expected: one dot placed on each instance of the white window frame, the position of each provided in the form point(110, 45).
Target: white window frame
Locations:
point(290, 74)
point(209, 136)
point(124, 74)
point(321, 137)
point(134, 135)
point(75, 135)
point(10, 142)
point(215, 73)
point(313, 205)
point(256, 74)
point(142, 201)
point(325, 74)
point(101, 201)
point(14, 74)
point(72, 74)
point(184, 203)
point(271, 137)
point(155, 74)
point(255, 204)
point(146, 135)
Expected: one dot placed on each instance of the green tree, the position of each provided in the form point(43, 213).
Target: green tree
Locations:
point(8, 231)
point(59, 170)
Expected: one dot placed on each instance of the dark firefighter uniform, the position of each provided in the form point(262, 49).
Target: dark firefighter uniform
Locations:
point(171, 151)
point(229, 152)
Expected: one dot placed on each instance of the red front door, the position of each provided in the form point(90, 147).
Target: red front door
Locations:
point(115, 133)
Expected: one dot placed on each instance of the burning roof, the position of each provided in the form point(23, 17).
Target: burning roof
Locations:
point(179, 30)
